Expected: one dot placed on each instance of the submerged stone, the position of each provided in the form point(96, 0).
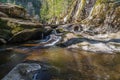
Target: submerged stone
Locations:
point(23, 71)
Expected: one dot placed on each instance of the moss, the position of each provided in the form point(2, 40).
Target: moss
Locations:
point(61, 30)
point(5, 31)
point(15, 27)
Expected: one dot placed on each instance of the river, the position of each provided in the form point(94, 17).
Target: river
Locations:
point(72, 64)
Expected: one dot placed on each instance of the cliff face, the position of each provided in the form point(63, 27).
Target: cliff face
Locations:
point(48, 10)
point(65, 11)
point(87, 12)
point(100, 16)
point(105, 14)
point(76, 10)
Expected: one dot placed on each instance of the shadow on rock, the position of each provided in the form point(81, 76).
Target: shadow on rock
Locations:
point(30, 71)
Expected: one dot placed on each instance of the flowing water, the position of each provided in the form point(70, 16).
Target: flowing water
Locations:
point(71, 64)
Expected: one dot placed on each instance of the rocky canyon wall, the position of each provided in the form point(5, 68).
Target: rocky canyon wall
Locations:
point(88, 12)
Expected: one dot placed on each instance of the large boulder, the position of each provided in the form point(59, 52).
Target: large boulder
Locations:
point(101, 43)
point(25, 35)
point(13, 22)
point(23, 71)
point(13, 10)
point(31, 71)
point(11, 27)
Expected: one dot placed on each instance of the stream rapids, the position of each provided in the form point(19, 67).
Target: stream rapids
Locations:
point(69, 63)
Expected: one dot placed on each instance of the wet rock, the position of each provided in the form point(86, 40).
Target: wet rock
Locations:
point(10, 27)
point(64, 28)
point(102, 37)
point(5, 31)
point(23, 71)
point(70, 28)
point(71, 42)
point(31, 70)
point(3, 14)
point(47, 30)
point(2, 41)
point(93, 45)
point(98, 47)
point(13, 23)
point(69, 36)
point(52, 41)
point(25, 35)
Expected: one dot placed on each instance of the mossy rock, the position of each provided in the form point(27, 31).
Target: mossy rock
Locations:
point(13, 10)
point(5, 31)
point(25, 35)
point(10, 27)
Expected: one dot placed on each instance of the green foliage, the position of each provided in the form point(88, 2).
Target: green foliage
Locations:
point(53, 8)
point(15, 27)
point(49, 9)
point(44, 11)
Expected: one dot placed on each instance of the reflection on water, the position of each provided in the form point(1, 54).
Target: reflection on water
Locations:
point(8, 59)
point(74, 64)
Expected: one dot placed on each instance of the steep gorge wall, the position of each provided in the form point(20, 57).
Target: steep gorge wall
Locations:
point(88, 12)
point(100, 16)
point(105, 14)
point(53, 10)
point(79, 10)
point(48, 10)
